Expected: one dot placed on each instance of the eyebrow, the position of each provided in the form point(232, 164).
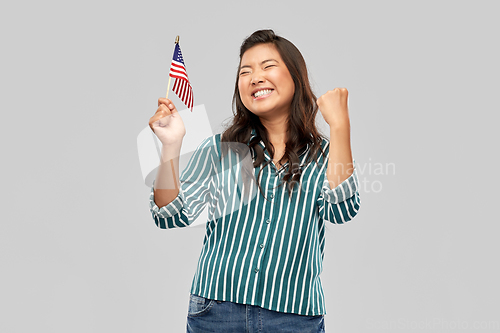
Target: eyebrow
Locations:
point(263, 62)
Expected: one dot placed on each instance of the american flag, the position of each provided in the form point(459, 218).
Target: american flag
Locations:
point(182, 87)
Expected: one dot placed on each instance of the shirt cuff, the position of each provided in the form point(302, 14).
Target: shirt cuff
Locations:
point(344, 190)
point(169, 209)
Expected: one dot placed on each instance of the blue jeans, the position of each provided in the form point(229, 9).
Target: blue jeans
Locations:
point(206, 315)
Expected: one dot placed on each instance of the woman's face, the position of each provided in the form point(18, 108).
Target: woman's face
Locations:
point(265, 84)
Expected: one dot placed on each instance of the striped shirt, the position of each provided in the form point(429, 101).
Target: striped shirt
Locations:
point(260, 251)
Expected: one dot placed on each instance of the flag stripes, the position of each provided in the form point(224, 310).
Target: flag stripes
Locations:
point(182, 87)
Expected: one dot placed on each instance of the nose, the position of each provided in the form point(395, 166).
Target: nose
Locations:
point(256, 78)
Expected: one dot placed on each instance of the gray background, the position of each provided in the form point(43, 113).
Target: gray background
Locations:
point(79, 80)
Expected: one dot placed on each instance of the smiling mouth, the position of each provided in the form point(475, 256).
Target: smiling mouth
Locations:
point(262, 93)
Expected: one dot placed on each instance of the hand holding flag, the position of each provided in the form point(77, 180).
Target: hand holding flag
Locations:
point(182, 87)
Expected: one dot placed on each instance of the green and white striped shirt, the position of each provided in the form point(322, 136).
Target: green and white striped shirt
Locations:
point(259, 251)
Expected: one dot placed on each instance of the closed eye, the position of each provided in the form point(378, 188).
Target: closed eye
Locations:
point(269, 66)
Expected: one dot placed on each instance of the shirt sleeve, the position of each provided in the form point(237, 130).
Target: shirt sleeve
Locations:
point(341, 204)
point(194, 192)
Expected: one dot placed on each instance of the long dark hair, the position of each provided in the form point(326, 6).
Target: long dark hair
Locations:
point(302, 118)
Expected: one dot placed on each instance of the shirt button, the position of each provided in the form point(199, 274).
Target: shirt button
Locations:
point(271, 196)
point(261, 246)
point(268, 221)
point(256, 270)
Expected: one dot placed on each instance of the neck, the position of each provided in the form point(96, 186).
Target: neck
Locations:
point(276, 130)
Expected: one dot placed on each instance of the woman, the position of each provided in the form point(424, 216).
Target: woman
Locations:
point(260, 264)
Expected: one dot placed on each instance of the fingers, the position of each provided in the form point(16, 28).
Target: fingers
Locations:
point(344, 93)
point(341, 91)
point(161, 112)
point(333, 96)
point(158, 115)
point(168, 104)
point(165, 108)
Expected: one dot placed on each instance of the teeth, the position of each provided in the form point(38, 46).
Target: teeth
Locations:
point(262, 92)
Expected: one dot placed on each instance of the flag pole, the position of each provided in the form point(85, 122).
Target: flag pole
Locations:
point(168, 89)
point(169, 77)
